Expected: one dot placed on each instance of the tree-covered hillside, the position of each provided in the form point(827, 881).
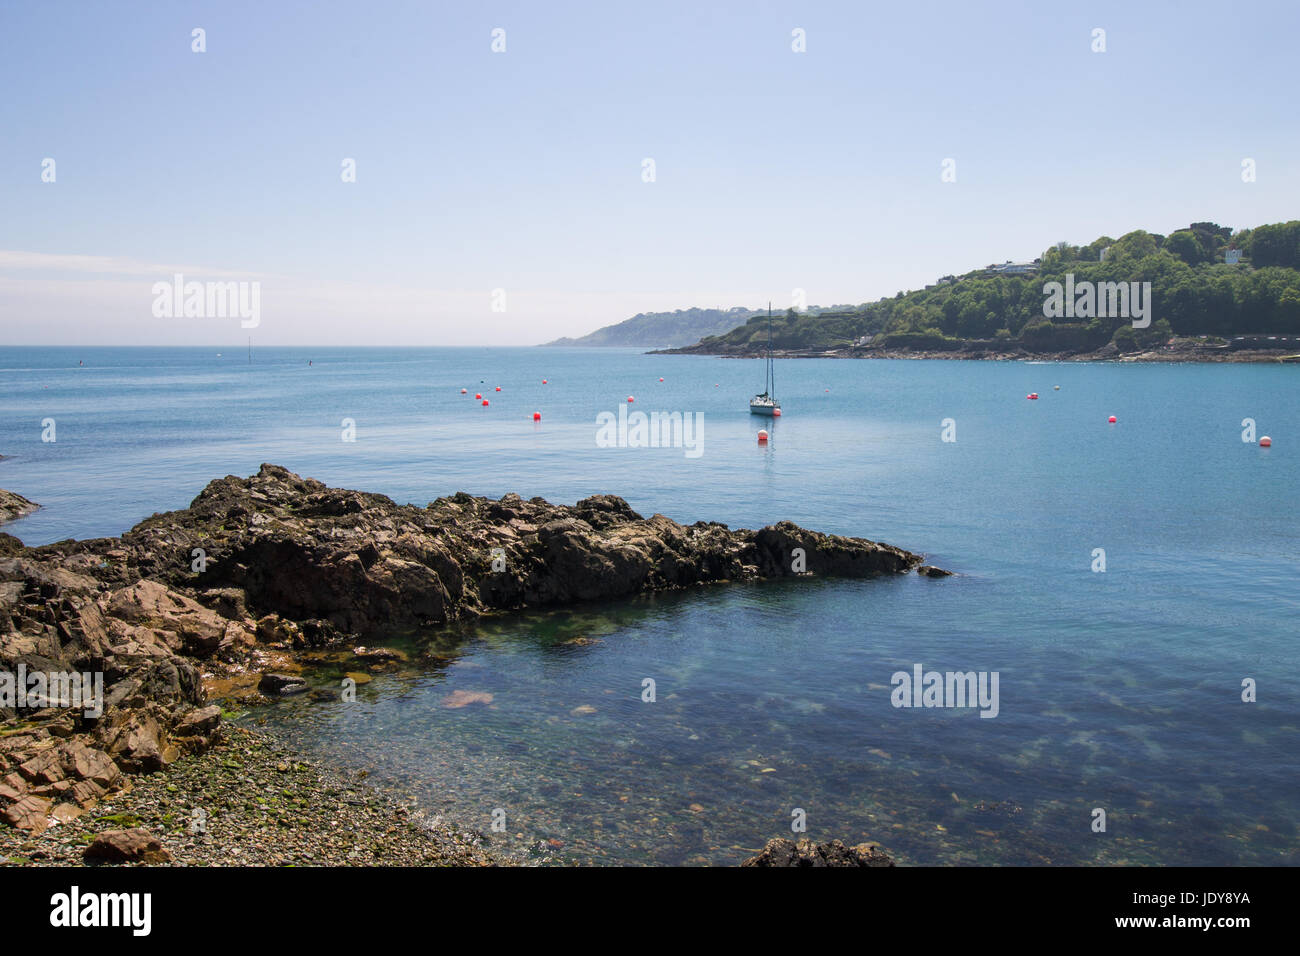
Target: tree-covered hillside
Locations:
point(1194, 291)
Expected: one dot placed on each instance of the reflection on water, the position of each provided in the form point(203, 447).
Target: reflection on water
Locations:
point(757, 715)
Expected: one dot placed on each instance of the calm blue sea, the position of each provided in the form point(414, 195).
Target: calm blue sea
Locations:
point(1119, 690)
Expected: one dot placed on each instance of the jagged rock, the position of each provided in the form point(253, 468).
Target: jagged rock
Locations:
point(127, 846)
point(139, 744)
point(783, 852)
point(151, 605)
point(81, 762)
point(200, 722)
point(29, 813)
point(356, 563)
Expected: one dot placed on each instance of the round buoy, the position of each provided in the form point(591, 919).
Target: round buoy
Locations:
point(537, 416)
point(498, 388)
point(1032, 396)
point(1056, 387)
point(464, 391)
point(1266, 442)
point(661, 379)
point(715, 384)
point(543, 381)
point(478, 394)
point(762, 435)
point(485, 403)
point(776, 413)
point(630, 399)
point(1111, 419)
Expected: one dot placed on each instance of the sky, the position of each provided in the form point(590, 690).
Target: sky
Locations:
point(503, 198)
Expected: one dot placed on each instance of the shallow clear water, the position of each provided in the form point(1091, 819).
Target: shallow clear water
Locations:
point(1118, 690)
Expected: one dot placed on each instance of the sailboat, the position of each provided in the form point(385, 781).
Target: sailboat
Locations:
point(766, 403)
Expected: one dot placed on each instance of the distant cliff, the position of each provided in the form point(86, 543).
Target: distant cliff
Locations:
point(664, 329)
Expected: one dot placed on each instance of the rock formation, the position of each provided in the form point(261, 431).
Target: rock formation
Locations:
point(283, 561)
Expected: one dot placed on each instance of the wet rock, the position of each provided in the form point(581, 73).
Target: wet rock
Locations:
point(127, 846)
point(281, 684)
point(783, 852)
point(14, 506)
point(930, 571)
point(378, 655)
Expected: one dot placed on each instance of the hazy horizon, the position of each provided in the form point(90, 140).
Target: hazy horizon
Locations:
point(523, 171)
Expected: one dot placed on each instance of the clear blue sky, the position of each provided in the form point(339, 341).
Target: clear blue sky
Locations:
point(522, 170)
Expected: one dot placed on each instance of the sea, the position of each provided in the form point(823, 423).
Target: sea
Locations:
point(1130, 585)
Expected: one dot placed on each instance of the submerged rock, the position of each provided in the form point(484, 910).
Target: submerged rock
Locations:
point(782, 852)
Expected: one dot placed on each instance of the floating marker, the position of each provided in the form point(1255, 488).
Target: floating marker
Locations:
point(630, 399)
point(464, 391)
point(661, 379)
point(1032, 396)
point(543, 381)
point(478, 394)
point(498, 388)
point(1111, 419)
point(485, 403)
point(1056, 387)
point(776, 413)
point(762, 435)
point(537, 416)
point(1266, 442)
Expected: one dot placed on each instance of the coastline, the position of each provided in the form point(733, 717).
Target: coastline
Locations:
point(1162, 355)
point(250, 801)
point(291, 573)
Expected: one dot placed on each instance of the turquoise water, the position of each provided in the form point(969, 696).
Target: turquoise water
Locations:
point(1119, 690)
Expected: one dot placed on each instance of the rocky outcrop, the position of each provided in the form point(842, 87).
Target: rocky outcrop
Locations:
point(14, 506)
point(782, 852)
point(280, 561)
